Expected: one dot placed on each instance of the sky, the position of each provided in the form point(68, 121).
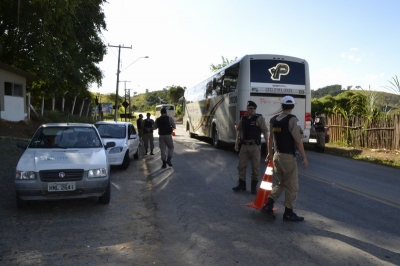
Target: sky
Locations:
point(345, 42)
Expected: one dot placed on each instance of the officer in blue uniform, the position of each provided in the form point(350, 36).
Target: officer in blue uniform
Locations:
point(249, 134)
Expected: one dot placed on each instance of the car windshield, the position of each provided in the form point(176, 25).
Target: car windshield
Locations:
point(111, 131)
point(65, 137)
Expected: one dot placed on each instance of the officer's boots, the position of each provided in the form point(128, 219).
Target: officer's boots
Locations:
point(169, 161)
point(254, 186)
point(268, 209)
point(164, 164)
point(241, 186)
point(151, 152)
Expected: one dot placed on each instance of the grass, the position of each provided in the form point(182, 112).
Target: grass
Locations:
point(382, 156)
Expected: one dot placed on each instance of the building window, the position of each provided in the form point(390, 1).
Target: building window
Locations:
point(12, 89)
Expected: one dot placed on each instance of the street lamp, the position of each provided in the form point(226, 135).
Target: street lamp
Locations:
point(116, 94)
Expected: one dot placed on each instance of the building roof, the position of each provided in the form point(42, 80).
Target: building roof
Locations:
point(29, 77)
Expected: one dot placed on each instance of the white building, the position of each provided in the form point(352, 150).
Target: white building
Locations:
point(13, 106)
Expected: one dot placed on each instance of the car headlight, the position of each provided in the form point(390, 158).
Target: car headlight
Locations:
point(25, 175)
point(101, 172)
point(117, 149)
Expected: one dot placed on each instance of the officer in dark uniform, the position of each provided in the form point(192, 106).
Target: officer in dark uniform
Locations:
point(249, 134)
point(139, 124)
point(148, 136)
point(286, 135)
point(319, 126)
point(165, 125)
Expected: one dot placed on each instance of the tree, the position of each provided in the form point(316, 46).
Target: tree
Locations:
point(175, 93)
point(60, 43)
point(225, 62)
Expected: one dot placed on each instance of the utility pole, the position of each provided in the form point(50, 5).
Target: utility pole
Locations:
point(116, 93)
point(129, 95)
point(125, 102)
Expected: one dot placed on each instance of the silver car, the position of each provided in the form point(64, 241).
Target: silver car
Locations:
point(63, 161)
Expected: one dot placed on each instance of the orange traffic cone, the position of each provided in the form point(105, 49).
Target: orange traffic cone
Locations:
point(265, 188)
point(173, 133)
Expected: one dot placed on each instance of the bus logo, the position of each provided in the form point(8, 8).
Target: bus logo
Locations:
point(279, 70)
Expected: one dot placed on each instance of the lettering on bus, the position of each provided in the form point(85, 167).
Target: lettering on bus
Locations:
point(284, 90)
point(269, 101)
point(192, 109)
point(232, 99)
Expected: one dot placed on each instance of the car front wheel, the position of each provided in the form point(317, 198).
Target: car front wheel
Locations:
point(105, 199)
point(136, 155)
point(125, 162)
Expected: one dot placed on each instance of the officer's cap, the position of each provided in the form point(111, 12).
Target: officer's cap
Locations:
point(288, 100)
point(317, 113)
point(163, 111)
point(252, 104)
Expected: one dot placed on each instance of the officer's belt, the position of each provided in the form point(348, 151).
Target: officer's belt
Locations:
point(290, 153)
point(249, 143)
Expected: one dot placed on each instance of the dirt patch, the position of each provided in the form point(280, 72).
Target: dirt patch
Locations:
point(21, 129)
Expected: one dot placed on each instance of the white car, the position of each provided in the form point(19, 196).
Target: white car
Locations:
point(63, 161)
point(126, 142)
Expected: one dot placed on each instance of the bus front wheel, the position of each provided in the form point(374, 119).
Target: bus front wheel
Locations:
point(191, 135)
point(216, 141)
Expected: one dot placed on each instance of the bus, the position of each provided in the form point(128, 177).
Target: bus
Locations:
point(170, 110)
point(213, 107)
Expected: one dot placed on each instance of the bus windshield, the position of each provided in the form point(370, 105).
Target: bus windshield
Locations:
point(169, 107)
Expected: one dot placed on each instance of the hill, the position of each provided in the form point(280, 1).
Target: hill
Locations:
point(384, 100)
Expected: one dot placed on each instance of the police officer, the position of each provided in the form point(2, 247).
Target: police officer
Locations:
point(249, 134)
point(319, 125)
point(139, 124)
point(148, 124)
point(286, 135)
point(165, 125)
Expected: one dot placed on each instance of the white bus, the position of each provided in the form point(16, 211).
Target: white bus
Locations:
point(170, 110)
point(213, 107)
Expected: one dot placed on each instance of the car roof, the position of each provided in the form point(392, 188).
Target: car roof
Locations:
point(112, 123)
point(67, 125)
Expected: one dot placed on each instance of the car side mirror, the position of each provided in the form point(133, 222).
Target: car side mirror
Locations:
point(110, 144)
point(133, 136)
point(22, 145)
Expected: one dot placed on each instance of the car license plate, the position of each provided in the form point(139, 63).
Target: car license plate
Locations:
point(61, 186)
point(312, 140)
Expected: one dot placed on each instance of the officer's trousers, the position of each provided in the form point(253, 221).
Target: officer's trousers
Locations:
point(166, 141)
point(148, 137)
point(252, 153)
point(285, 167)
point(321, 139)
